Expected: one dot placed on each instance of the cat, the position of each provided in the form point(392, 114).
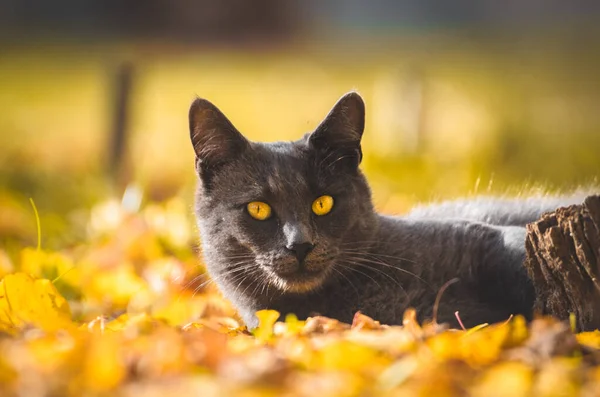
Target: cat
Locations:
point(291, 226)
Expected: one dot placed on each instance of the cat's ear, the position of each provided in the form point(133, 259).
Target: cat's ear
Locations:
point(216, 141)
point(342, 130)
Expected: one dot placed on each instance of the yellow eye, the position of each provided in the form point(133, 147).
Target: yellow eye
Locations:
point(322, 205)
point(259, 210)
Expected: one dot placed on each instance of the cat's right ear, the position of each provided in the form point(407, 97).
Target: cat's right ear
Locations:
point(341, 131)
point(214, 138)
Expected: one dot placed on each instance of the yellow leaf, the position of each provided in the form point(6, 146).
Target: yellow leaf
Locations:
point(26, 301)
point(104, 368)
point(53, 352)
point(558, 377)
point(137, 323)
point(293, 325)
point(475, 329)
point(350, 356)
point(7, 373)
point(591, 339)
point(266, 321)
point(116, 286)
point(518, 331)
point(477, 348)
point(398, 372)
point(6, 265)
point(52, 266)
point(178, 311)
point(506, 379)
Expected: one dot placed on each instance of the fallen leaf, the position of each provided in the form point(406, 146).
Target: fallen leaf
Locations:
point(25, 301)
point(320, 324)
point(360, 321)
point(266, 321)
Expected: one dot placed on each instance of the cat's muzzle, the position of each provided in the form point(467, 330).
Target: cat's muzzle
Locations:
point(290, 274)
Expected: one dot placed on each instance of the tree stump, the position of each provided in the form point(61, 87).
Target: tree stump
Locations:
point(563, 261)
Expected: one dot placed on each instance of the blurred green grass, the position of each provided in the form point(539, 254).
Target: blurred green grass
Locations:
point(442, 122)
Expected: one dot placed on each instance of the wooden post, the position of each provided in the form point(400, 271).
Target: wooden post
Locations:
point(118, 165)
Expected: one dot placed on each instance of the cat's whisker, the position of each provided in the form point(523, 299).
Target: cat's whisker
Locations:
point(353, 269)
point(244, 256)
point(204, 274)
point(258, 284)
point(248, 286)
point(354, 242)
point(381, 257)
point(197, 288)
point(365, 243)
point(347, 279)
point(194, 279)
point(238, 277)
point(362, 258)
point(375, 261)
point(240, 267)
point(379, 271)
point(262, 290)
point(229, 272)
point(251, 275)
point(360, 244)
point(206, 284)
point(362, 251)
point(241, 279)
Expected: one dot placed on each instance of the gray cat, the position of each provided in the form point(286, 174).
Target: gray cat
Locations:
point(290, 226)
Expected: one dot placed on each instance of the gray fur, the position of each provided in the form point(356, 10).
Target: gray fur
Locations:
point(361, 260)
point(497, 211)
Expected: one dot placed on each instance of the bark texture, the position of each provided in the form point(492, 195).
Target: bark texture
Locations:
point(563, 260)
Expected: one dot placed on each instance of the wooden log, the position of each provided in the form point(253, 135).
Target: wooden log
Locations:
point(563, 261)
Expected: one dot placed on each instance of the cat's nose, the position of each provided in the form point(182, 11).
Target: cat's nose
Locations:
point(300, 250)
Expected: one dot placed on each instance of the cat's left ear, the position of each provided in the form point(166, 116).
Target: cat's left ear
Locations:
point(341, 131)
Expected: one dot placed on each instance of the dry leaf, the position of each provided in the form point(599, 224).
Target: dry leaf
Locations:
point(25, 301)
point(147, 322)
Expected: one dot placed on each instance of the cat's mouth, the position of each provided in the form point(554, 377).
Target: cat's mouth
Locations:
point(288, 274)
point(300, 280)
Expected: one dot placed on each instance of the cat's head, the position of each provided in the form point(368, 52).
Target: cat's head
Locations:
point(279, 213)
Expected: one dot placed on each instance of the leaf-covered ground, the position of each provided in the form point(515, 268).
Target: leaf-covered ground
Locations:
point(130, 312)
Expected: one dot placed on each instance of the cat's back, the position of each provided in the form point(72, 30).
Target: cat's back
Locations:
point(427, 234)
point(496, 210)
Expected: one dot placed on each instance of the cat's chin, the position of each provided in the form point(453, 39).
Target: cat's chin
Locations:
point(300, 282)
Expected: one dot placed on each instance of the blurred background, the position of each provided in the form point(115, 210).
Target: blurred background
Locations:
point(463, 97)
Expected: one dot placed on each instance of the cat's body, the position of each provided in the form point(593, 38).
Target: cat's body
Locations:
point(297, 260)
